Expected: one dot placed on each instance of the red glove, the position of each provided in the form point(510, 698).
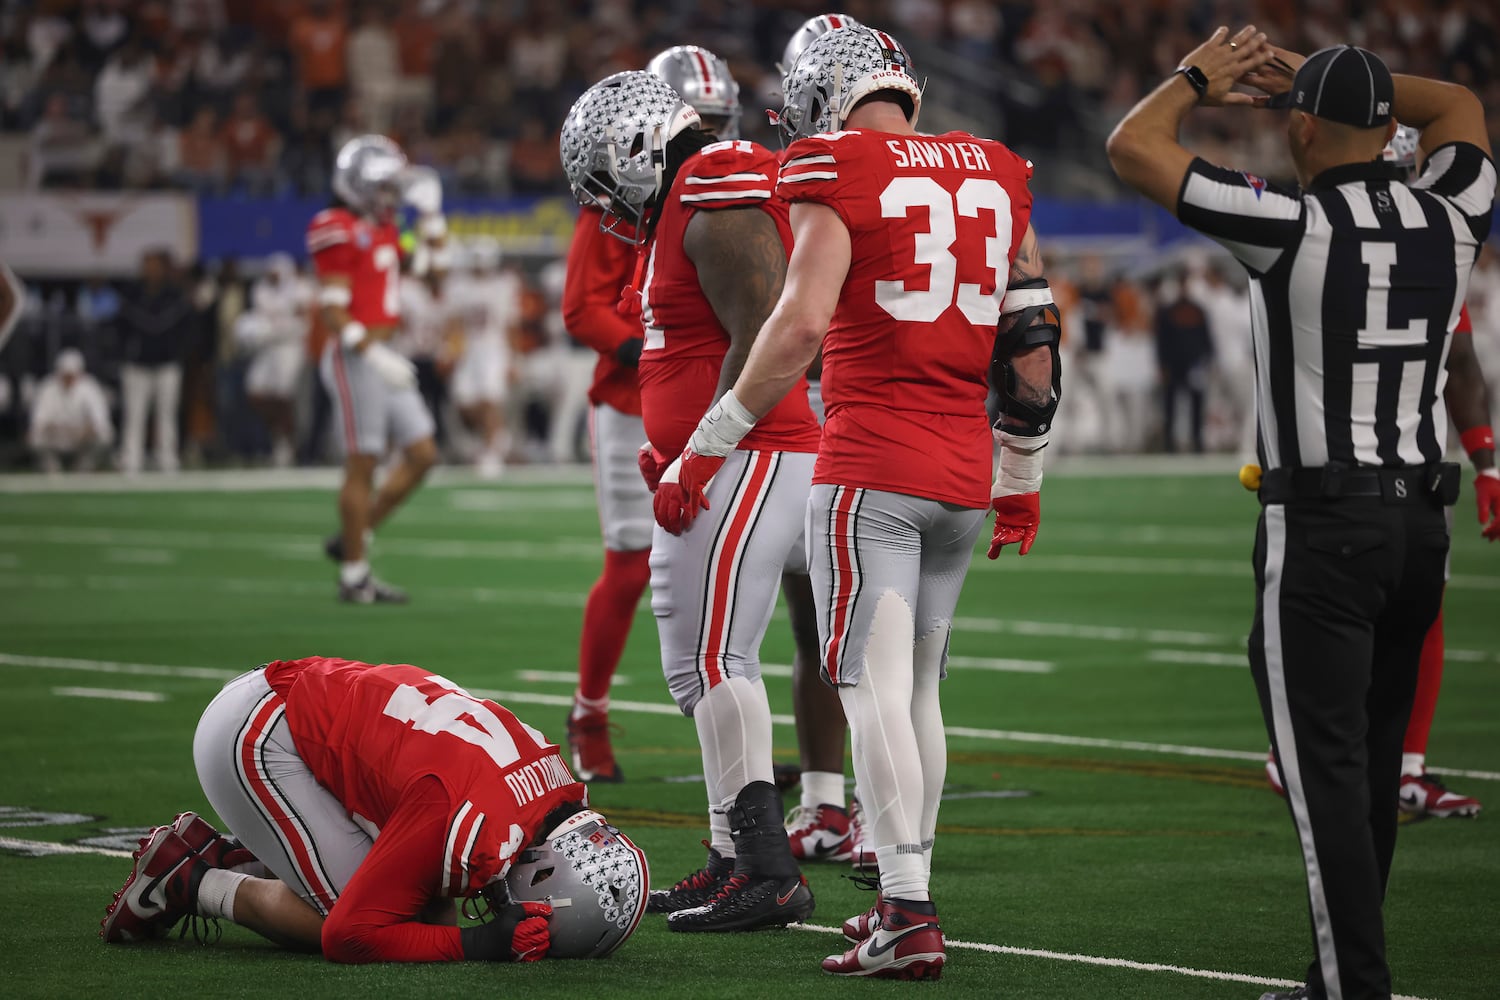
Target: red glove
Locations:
point(1487, 493)
point(653, 463)
point(680, 493)
point(1017, 518)
point(532, 936)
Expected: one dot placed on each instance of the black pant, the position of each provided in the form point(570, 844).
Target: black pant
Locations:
point(1347, 590)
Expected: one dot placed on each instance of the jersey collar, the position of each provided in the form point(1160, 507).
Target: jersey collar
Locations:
point(1344, 173)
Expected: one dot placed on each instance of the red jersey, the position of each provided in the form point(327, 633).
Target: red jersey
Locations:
point(455, 785)
point(599, 266)
point(685, 342)
point(368, 254)
point(934, 223)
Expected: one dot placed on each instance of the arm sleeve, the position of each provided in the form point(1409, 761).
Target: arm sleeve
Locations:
point(1460, 174)
point(599, 267)
point(375, 918)
point(1251, 218)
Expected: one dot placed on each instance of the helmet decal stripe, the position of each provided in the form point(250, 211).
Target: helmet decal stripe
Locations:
point(708, 77)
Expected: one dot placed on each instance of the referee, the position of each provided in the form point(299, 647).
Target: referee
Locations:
point(1356, 282)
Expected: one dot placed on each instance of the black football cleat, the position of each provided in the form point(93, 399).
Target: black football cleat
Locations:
point(745, 903)
point(695, 889)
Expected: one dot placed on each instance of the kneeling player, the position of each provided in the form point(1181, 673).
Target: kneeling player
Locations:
point(375, 795)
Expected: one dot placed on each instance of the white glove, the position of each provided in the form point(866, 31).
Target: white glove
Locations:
point(394, 370)
point(423, 190)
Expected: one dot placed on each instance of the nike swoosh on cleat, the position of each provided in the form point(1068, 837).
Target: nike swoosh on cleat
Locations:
point(782, 900)
point(877, 949)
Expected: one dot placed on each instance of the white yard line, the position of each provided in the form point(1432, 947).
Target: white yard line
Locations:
point(1002, 664)
point(560, 677)
point(1198, 656)
point(113, 694)
point(25, 845)
point(668, 709)
point(1116, 963)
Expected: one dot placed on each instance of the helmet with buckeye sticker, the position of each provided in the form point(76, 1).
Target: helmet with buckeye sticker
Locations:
point(813, 28)
point(839, 70)
point(369, 174)
point(595, 880)
point(614, 146)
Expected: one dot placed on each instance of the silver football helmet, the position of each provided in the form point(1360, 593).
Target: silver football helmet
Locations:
point(594, 878)
point(614, 146)
point(813, 28)
point(704, 81)
point(836, 72)
point(369, 174)
point(1401, 151)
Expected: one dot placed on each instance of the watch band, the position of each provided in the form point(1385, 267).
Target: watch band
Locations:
point(1196, 78)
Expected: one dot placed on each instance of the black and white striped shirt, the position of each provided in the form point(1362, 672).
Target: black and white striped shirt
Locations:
point(1355, 288)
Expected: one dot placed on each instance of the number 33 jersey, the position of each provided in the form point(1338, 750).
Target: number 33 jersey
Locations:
point(368, 733)
point(934, 223)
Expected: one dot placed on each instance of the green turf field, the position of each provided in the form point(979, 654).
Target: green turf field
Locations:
point(1078, 822)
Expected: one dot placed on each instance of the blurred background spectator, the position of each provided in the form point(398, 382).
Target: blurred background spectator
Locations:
point(70, 417)
point(155, 329)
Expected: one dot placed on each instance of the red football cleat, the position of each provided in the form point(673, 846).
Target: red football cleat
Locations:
point(1273, 774)
point(216, 850)
point(593, 756)
point(1423, 796)
point(820, 834)
point(906, 943)
point(159, 892)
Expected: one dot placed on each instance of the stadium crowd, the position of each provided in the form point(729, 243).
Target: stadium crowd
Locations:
point(252, 97)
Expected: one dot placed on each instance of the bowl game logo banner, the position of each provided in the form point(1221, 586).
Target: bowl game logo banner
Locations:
point(83, 234)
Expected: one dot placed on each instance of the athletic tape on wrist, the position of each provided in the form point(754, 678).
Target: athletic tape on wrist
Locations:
point(723, 427)
point(1020, 464)
point(338, 296)
point(353, 334)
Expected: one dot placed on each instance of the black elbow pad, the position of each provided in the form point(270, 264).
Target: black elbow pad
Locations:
point(1029, 318)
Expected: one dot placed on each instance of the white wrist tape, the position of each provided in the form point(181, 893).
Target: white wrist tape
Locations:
point(723, 427)
point(335, 295)
point(1017, 299)
point(1020, 464)
point(1492, 472)
point(353, 334)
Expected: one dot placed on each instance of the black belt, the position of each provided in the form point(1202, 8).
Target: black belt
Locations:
point(1436, 483)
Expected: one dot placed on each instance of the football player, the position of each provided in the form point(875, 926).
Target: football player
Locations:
point(373, 797)
point(489, 305)
point(599, 267)
point(355, 249)
point(820, 828)
point(915, 269)
point(716, 243)
point(280, 304)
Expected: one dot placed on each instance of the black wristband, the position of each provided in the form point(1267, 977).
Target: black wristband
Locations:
point(1194, 76)
point(629, 352)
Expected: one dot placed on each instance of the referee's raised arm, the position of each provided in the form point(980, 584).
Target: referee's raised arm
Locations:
point(1144, 148)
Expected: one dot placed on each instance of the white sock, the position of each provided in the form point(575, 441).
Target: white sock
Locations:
point(903, 875)
point(887, 751)
point(822, 788)
point(1414, 764)
point(734, 718)
point(583, 706)
point(216, 893)
point(353, 573)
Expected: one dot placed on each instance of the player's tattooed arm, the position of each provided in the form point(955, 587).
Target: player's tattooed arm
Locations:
point(741, 264)
point(1033, 366)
